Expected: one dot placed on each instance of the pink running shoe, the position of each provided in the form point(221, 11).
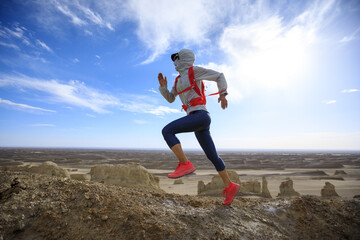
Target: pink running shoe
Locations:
point(230, 192)
point(182, 169)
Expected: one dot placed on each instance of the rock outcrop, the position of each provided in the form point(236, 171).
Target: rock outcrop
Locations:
point(46, 168)
point(215, 187)
point(340, 172)
point(328, 191)
point(287, 189)
point(252, 186)
point(51, 169)
point(131, 175)
point(264, 189)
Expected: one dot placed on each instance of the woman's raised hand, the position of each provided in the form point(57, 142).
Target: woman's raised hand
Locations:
point(162, 81)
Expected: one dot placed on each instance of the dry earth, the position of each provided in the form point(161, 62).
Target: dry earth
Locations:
point(34, 206)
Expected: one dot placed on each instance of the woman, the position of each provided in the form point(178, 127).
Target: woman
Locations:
point(188, 85)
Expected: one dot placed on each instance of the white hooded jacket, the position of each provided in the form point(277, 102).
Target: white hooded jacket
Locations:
point(186, 60)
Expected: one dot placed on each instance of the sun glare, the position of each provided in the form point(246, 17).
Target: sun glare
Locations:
point(266, 54)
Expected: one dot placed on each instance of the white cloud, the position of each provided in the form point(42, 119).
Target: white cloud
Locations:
point(329, 101)
point(22, 106)
point(43, 45)
point(90, 115)
point(67, 12)
point(75, 60)
point(81, 15)
point(350, 90)
point(161, 110)
point(18, 32)
point(138, 106)
point(76, 93)
point(140, 122)
point(94, 17)
point(152, 90)
point(195, 23)
point(353, 36)
point(10, 45)
point(269, 52)
point(185, 22)
point(73, 93)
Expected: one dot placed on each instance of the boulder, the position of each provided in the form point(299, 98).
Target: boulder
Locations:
point(178, 181)
point(264, 188)
point(328, 191)
point(287, 189)
point(129, 175)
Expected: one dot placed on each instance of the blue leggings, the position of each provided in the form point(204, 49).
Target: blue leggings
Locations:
point(198, 122)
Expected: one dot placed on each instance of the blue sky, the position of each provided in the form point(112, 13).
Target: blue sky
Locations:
point(84, 73)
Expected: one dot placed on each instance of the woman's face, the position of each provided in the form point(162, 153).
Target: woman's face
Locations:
point(176, 63)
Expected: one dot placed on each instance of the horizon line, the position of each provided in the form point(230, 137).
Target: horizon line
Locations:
point(264, 150)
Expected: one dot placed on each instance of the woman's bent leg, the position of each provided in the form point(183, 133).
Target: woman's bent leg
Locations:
point(207, 144)
point(190, 123)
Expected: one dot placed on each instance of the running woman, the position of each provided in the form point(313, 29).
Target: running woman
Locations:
point(189, 86)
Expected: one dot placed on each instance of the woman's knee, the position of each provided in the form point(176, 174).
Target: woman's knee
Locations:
point(166, 131)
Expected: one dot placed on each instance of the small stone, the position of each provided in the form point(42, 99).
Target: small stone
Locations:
point(178, 181)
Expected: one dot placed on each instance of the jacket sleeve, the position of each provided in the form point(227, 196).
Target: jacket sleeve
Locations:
point(211, 75)
point(169, 96)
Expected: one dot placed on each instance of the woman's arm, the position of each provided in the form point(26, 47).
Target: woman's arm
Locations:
point(211, 75)
point(169, 96)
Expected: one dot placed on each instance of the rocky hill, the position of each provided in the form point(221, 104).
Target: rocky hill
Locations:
point(34, 206)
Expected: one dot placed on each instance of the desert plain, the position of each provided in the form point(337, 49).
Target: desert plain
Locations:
point(308, 170)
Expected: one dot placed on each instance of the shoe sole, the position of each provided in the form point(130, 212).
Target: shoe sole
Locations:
point(237, 191)
point(187, 173)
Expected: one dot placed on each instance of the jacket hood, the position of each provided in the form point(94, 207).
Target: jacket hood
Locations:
point(186, 60)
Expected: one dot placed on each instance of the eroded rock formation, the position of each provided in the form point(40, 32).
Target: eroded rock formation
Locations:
point(125, 175)
point(264, 189)
point(287, 189)
point(329, 191)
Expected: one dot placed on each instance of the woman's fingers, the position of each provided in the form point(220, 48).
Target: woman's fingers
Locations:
point(161, 79)
point(224, 103)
